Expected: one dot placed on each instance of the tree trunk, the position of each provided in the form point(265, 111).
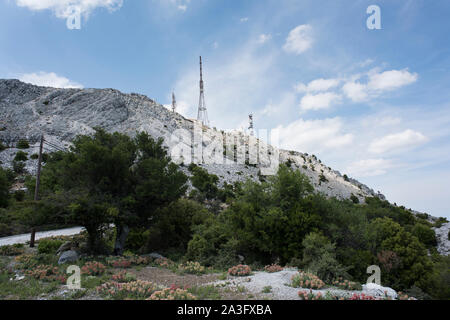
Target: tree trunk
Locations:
point(121, 237)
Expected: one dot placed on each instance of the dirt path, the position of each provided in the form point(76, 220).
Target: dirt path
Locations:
point(167, 278)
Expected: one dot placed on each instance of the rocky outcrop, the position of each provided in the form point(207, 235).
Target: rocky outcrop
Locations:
point(442, 237)
point(27, 111)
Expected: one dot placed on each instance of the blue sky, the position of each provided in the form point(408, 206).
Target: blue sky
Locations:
point(374, 104)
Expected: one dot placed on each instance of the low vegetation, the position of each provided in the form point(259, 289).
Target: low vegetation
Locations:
point(131, 182)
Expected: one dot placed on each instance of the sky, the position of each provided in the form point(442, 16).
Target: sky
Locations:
point(371, 103)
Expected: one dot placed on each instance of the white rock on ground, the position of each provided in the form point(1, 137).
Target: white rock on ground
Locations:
point(280, 289)
point(442, 239)
point(376, 290)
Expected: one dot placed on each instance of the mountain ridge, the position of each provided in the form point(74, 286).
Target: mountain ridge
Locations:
point(27, 111)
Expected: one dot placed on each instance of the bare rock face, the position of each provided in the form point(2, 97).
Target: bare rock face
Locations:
point(27, 111)
point(442, 236)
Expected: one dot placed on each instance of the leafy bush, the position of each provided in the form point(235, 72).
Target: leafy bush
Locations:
point(273, 268)
point(240, 270)
point(192, 268)
point(174, 225)
point(354, 199)
point(306, 280)
point(22, 144)
point(309, 295)
point(46, 273)
point(123, 276)
point(346, 284)
point(131, 290)
point(21, 156)
point(93, 268)
point(425, 234)
point(2, 146)
point(19, 195)
point(12, 250)
point(4, 188)
point(18, 167)
point(319, 256)
point(206, 183)
point(164, 263)
point(120, 263)
point(172, 293)
point(49, 246)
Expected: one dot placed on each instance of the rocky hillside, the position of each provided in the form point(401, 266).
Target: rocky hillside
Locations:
point(27, 111)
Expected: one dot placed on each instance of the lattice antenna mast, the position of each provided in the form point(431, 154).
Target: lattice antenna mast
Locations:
point(174, 103)
point(202, 112)
point(251, 127)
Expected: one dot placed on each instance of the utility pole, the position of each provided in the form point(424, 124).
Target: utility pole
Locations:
point(36, 190)
point(202, 112)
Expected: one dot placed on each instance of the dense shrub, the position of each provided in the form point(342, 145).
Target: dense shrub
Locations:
point(273, 268)
point(49, 246)
point(23, 144)
point(19, 195)
point(21, 156)
point(320, 258)
point(46, 273)
point(12, 250)
point(18, 167)
point(173, 227)
point(131, 290)
point(306, 280)
point(172, 293)
point(93, 268)
point(206, 183)
point(240, 270)
point(4, 188)
point(123, 276)
point(425, 234)
point(192, 268)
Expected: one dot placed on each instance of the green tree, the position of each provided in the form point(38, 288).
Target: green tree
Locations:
point(112, 178)
point(414, 266)
point(5, 184)
point(319, 257)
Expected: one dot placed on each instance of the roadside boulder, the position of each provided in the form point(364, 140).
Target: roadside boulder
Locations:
point(64, 247)
point(68, 257)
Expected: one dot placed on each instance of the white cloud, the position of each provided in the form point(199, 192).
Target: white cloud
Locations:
point(390, 80)
point(369, 167)
point(263, 38)
point(299, 39)
point(245, 19)
point(318, 85)
point(355, 91)
point(61, 8)
point(397, 142)
point(319, 101)
point(313, 135)
point(49, 79)
point(378, 82)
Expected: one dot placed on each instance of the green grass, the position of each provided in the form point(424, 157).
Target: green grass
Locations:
point(209, 292)
point(25, 289)
point(267, 289)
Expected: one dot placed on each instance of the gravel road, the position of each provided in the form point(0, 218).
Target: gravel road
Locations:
point(23, 238)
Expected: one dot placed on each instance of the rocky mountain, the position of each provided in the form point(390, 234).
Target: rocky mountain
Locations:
point(27, 111)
